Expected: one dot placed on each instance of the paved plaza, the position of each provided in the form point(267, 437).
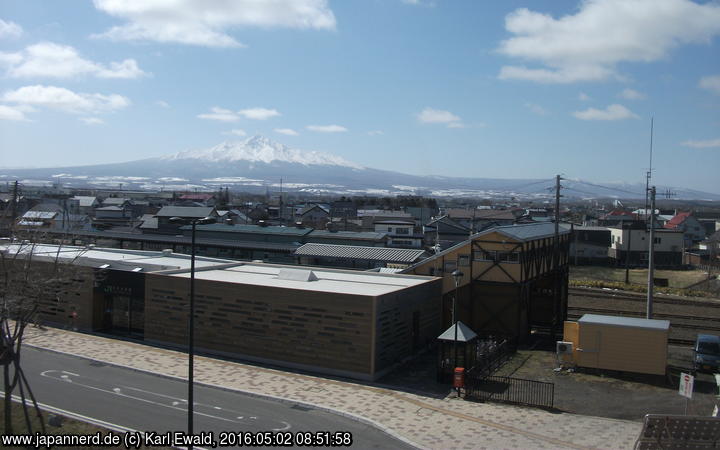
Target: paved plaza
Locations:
point(424, 421)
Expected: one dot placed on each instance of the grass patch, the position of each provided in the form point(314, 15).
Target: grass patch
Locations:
point(638, 288)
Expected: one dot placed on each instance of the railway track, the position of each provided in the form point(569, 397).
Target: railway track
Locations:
point(617, 295)
point(642, 314)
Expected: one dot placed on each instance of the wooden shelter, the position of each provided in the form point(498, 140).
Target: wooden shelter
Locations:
point(514, 278)
point(627, 344)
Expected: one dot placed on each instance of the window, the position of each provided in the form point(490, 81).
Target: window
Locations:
point(512, 257)
point(464, 260)
point(450, 266)
point(484, 255)
point(657, 240)
point(402, 231)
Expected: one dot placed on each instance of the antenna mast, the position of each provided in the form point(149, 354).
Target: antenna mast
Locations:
point(648, 175)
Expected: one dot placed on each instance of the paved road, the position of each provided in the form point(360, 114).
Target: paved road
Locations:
point(149, 402)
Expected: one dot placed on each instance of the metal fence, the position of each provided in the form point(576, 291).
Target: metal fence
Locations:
point(509, 390)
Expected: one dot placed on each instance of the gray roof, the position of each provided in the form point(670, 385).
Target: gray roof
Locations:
point(39, 215)
point(527, 231)
point(364, 235)
point(625, 322)
point(358, 252)
point(115, 201)
point(85, 201)
point(251, 229)
point(110, 208)
point(464, 333)
point(185, 211)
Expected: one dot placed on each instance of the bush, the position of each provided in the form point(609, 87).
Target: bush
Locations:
point(637, 288)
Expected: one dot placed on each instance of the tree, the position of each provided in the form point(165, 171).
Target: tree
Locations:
point(32, 280)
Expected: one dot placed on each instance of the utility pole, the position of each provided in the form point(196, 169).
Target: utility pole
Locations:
point(649, 172)
point(627, 253)
point(651, 254)
point(556, 257)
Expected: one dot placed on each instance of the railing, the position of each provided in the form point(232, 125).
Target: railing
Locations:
point(490, 354)
point(509, 390)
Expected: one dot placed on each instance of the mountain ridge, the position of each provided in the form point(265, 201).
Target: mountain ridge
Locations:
point(257, 164)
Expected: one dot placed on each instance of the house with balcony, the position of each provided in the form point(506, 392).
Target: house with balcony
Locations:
point(401, 233)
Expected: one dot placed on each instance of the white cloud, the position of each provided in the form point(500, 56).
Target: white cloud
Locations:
point(65, 100)
point(612, 112)
point(375, 132)
point(431, 115)
point(220, 114)
point(711, 143)
point(258, 113)
point(711, 83)
point(588, 45)
point(236, 132)
point(536, 109)
point(10, 29)
point(162, 104)
point(205, 23)
point(92, 120)
point(10, 113)
point(631, 94)
point(583, 97)
point(286, 131)
point(327, 128)
point(48, 59)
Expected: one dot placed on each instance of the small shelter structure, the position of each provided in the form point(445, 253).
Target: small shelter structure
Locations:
point(446, 350)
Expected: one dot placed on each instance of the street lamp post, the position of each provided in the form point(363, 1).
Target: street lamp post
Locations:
point(191, 314)
point(456, 276)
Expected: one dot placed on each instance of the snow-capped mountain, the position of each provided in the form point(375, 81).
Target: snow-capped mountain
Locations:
point(261, 149)
point(258, 164)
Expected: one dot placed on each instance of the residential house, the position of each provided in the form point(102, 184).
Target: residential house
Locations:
point(692, 229)
point(633, 243)
point(443, 232)
point(590, 245)
point(400, 233)
point(314, 216)
point(185, 212)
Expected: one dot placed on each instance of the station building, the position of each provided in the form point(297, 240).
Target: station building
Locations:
point(339, 322)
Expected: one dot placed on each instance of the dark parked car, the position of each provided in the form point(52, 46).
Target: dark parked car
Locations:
point(707, 353)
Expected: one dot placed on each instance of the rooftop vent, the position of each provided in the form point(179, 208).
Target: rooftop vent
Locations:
point(299, 225)
point(167, 252)
point(90, 246)
point(297, 275)
point(262, 223)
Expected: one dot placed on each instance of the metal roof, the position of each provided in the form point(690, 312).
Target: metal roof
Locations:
point(185, 240)
point(464, 333)
point(85, 201)
point(358, 252)
point(252, 229)
point(526, 232)
point(39, 214)
point(185, 211)
point(363, 235)
point(625, 322)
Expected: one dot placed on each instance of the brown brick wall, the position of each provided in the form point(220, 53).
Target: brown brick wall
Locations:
point(331, 331)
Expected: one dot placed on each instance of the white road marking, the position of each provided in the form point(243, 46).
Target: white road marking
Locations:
point(240, 417)
point(286, 427)
point(116, 391)
point(70, 373)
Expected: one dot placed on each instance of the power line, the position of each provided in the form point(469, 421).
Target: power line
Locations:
point(607, 187)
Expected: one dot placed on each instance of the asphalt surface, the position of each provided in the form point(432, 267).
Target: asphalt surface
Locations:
point(152, 403)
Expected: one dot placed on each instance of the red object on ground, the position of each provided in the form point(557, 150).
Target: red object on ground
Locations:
point(459, 378)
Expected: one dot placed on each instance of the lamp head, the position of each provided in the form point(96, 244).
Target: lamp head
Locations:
point(457, 275)
point(206, 221)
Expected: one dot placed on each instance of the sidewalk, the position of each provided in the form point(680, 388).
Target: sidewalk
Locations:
point(426, 422)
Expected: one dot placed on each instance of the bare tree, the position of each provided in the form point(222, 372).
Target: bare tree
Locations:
point(33, 281)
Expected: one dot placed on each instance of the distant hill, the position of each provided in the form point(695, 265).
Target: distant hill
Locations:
point(257, 163)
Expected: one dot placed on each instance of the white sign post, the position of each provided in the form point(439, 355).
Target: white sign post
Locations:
point(686, 388)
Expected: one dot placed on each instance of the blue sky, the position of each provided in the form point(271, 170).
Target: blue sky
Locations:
point(460, 88)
